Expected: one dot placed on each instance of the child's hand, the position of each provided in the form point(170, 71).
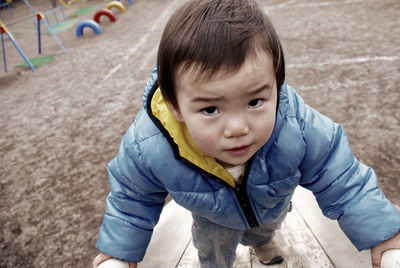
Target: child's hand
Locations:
point(376, 252)
point(103, 257)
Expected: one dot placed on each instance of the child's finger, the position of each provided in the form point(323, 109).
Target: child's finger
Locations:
point(132, 265)
point(99, 259)
point(376, 255)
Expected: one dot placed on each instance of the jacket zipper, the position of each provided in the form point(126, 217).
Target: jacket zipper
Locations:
point(241, 194)
point(239, 190)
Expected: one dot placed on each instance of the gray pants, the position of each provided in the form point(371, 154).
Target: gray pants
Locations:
point(217, 244)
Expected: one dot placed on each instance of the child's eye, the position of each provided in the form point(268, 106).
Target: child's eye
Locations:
point(212, 110)
point(255, 103)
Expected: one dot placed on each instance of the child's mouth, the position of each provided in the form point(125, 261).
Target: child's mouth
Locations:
point(239, 151)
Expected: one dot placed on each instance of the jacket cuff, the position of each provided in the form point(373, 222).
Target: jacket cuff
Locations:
point(367, 228)
point(120, 239)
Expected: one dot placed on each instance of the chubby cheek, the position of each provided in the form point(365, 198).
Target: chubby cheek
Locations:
point(267, 130)
point(205, 140)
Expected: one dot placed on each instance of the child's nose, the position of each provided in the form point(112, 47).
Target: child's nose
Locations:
point(236, 127)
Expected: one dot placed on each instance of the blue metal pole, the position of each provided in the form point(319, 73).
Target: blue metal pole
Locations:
point(39, 35)
point(21, 52)
point(4, 53)
point(54, 35)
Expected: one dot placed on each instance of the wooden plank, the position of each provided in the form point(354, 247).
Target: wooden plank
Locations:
point(299, 245)
point(337, 246)
point(307, 237)
point(294, 238)
point(170, 238)
point(191, 260)
point(243, 257)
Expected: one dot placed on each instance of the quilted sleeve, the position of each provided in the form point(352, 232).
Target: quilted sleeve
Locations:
point(346, 190)
point(133, 206)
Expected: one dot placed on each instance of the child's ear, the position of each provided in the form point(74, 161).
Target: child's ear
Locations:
point(175, 112)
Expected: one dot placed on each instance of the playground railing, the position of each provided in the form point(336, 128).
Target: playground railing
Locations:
point(6, 4)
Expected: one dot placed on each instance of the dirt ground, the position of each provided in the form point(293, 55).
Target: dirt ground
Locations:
point(61, 125)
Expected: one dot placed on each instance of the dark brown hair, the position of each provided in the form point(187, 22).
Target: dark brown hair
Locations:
point(207, 35)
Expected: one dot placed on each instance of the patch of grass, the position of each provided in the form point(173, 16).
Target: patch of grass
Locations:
point(37, 61)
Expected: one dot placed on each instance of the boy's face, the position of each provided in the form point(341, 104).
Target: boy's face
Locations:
point(231, 115)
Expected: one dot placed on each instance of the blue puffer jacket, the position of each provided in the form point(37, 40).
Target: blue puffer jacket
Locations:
point(157, 157)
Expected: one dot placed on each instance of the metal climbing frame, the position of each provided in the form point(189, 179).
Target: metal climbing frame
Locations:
point(4, 31)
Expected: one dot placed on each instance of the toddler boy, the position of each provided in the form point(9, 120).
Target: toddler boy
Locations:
point(229, 140)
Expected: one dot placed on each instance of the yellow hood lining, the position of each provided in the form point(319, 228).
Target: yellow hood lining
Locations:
point(181, 137)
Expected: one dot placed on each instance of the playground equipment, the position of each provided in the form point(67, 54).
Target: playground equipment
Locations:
point(116, 4)
point(7, 4)
point(40, 17)
point(113, 263)
point(106, 12)
point(129, 1)
point(87, 23)
point(95, 23)
point(4, 30)
point(52, 12)
point(67, 5)
point(390, 258)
